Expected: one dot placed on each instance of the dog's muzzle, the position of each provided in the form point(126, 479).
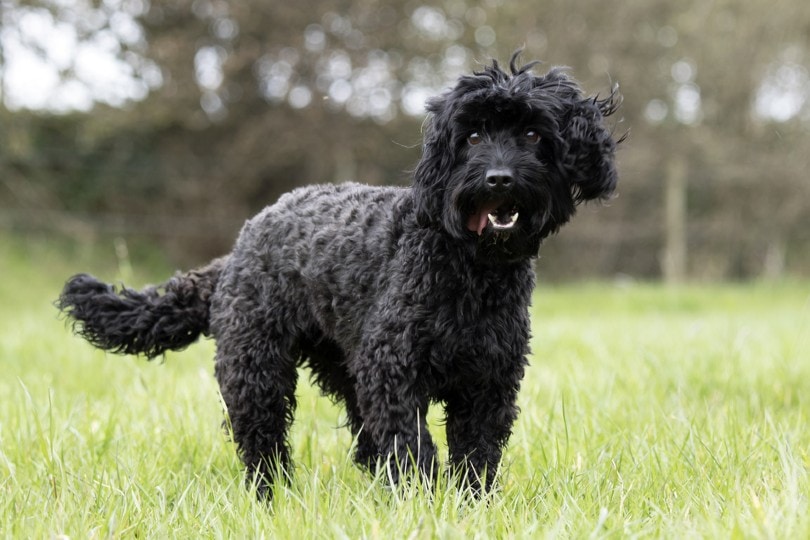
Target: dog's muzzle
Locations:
point(499, 212)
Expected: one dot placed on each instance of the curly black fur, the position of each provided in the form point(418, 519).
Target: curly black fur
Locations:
point(149, 323)
point(393, 297)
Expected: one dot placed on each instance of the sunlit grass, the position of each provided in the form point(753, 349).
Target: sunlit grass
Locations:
point(646, 411)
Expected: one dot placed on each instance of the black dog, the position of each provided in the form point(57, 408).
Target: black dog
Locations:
point(394, 297)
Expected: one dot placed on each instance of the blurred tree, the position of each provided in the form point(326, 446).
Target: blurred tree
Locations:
point(243, 101)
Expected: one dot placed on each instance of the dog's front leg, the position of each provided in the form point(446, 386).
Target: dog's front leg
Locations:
point(394, 411)
point(479, 422)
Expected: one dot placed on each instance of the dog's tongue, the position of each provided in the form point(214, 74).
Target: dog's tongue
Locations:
point(477, 221)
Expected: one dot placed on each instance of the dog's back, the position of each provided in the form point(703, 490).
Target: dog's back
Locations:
point(320, 254)
point(315, 248)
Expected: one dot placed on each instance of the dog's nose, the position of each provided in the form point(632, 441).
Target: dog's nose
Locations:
point(499, 179)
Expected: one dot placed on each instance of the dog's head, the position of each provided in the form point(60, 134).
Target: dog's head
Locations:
point(508, 156)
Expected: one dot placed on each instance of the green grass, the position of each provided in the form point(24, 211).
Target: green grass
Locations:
point(647, 411)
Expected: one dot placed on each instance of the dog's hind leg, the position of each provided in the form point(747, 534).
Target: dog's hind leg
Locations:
point(328, 364)
point(257, 378)
point(366, 453)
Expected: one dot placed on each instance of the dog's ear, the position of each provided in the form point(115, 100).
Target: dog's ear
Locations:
point(588, 147)
point(434, 168)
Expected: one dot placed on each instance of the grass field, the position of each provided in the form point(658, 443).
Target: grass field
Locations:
point(646, 412)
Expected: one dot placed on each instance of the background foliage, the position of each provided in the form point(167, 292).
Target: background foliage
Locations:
point(229, 104)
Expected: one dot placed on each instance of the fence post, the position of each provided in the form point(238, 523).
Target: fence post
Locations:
point(675, 251)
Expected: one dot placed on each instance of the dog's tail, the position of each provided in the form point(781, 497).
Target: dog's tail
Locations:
point(165, 317)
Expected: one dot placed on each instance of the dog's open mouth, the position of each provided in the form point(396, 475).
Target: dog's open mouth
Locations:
point(501, 216)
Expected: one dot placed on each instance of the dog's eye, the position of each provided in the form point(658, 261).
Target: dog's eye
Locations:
point(474, 138)
point(532, 137)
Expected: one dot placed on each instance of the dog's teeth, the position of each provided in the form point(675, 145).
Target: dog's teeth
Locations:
point(493, 218)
